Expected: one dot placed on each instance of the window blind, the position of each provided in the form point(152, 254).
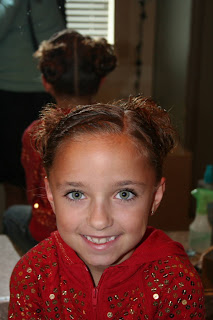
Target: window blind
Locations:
point(93, 18)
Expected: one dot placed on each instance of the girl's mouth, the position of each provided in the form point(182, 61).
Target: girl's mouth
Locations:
point(100, 240)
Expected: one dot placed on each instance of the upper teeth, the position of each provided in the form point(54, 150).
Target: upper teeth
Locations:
point(100, 240)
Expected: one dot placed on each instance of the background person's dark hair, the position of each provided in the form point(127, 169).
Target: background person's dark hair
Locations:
point(75, 64)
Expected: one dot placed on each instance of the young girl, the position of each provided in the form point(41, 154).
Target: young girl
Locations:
point(72, 68)
point(104, 179)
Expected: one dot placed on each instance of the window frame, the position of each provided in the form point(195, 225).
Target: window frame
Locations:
point(91, 27)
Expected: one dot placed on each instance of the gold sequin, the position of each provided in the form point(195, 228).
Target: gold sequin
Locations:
point(156, 296)
point(109, 314)
point(52, 296)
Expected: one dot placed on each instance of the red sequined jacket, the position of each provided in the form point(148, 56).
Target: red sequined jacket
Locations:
point(43, 220)
point(157, 282)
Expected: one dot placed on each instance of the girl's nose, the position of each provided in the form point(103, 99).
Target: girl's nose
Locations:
point(99, 216)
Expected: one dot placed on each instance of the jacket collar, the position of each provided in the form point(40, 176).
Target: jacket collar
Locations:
point(154, 245)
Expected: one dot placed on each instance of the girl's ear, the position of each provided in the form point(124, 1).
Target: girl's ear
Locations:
point(158, 195)
point(49, 193)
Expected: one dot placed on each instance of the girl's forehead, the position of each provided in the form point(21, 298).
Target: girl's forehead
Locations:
point(104, 144)
point(105, 137)
point(94, 159)
point(109, 140)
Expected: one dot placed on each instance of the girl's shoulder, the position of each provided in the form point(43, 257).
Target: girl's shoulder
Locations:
point(174, 284)
point(33, 279)
point(37, 260)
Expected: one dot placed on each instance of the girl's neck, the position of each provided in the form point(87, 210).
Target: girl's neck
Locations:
point(67, 101)
point(96, 273)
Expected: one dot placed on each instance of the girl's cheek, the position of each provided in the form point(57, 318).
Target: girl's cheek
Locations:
point(64, 224)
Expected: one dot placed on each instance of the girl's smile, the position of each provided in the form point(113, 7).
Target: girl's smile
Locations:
point(102, 191)
point(100, 240)
point(100, 243)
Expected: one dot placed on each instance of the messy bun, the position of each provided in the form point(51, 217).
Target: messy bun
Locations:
point(75, 64)
point(147, 124)
point(151, 126)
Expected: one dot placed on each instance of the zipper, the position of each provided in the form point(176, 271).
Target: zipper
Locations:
point(95, 300)
point(95, 291)
point(94, 297)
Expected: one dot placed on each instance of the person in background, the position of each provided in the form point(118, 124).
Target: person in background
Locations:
point(23, 25)
point(73, 68)
point(103, 180)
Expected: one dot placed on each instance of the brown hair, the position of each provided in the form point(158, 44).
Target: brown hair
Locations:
point(139, 118)
point(75, 64)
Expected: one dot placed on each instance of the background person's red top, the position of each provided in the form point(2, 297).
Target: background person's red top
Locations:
point(43, 220)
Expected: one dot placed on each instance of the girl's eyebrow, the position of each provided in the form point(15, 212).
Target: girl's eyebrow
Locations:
point(76, 184)
point(129, 182)
point(70, 184)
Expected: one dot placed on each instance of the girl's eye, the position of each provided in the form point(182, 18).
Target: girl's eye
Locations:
point(125, 195)
point(76, 195)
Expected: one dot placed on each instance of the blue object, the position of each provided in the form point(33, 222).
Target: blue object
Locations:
point(208, 175)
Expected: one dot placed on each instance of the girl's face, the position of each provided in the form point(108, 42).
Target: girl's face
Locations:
point(102, 191)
